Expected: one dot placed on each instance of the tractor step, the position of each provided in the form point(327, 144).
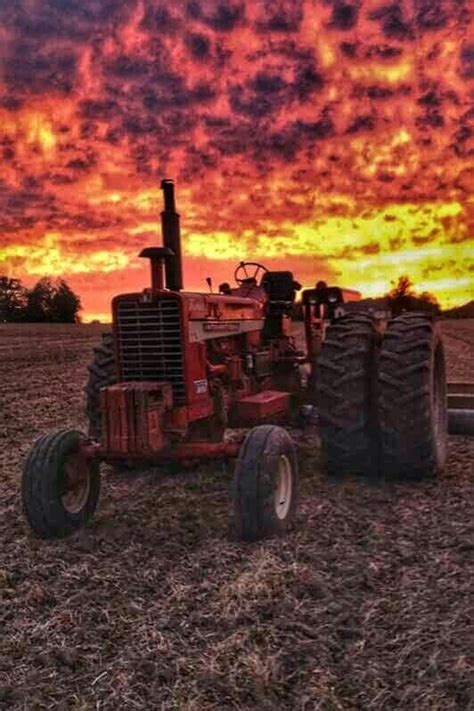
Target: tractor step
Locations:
point(261, 406)
point(460, 401)
point(457, 387)
point(461, 408)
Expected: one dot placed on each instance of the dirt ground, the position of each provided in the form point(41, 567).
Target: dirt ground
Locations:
point(367, 604)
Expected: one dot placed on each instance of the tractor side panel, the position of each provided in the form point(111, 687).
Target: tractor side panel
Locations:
point(133, 417)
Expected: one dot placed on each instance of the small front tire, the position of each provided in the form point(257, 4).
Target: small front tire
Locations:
point(265, 484)
point(60, 487)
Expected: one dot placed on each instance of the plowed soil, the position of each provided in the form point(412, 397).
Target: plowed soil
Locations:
point(367, 604)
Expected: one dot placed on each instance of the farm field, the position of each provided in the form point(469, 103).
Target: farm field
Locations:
point(367, 604)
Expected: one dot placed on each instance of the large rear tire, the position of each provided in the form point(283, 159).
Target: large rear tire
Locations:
point(102, 372)
point(412, 398)
point(346, 398)
point(265, 488)
point(60, 488)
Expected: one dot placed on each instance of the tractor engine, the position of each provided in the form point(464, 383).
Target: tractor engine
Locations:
point(191, 364)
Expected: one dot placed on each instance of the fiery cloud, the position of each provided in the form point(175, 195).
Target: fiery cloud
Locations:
point(334, 136)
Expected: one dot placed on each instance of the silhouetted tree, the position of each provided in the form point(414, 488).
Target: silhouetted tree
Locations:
point(13, 298)
point(65, 304)
point(40, 302)
point(404, 298)
point(49, 301)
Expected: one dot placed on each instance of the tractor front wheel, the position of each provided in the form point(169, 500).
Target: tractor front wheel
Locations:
point(265, 484)
point(60, 487)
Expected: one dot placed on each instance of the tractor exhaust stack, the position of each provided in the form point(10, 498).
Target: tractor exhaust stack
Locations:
point(171, 238)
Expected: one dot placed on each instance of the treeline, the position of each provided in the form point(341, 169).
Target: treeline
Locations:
point(48, 301)
point(464, 311)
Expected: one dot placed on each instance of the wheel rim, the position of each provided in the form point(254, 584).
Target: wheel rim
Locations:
point(284, 487)
point(76, 484)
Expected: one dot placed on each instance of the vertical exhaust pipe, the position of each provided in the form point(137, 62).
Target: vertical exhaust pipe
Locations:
point(171, 238)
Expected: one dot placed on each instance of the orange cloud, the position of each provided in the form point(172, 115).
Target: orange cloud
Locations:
point(334, 138)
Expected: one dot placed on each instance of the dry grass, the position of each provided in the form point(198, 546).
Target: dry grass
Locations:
point(367, 604)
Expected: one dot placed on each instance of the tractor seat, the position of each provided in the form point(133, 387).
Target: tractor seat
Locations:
point(280, 286)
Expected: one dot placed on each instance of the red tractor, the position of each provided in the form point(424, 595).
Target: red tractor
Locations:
point(181, 368)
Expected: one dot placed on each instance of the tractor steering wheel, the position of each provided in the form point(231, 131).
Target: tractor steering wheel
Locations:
point(242, 267)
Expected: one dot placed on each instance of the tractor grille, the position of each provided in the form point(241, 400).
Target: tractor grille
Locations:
point(149, 341)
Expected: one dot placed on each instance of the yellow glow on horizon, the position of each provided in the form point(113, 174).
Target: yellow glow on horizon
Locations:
point(103, 317)
point(369, 252)
point(154, 227)
point(49, 259)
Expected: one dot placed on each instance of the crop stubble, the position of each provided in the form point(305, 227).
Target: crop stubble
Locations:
point(367, 604)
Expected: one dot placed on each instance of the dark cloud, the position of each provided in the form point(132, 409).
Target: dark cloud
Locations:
point(462, 140)
point(281, 145)
point(267, 92)
point(212, 122)
point(128, 67)
point(430, 14)
point(430, 120)
point(264, 83)
point(384, 51)
point(21, 208)
point(315, 130)
point(77, 164)
point(379, 92)
point(280, 16)
point(343, 16)
point(349, 48)
point(431, 98)
point(161, 18)
point(27, 69)
point(199, 45)
point(88, 222)
point(392, 21)
point(11, 103)
point(261, 143)
point(197, 163)
point(362, 123)
point(253, 103)
point(82, 164)
point(73, 20)
point(87, 130)
point(307, 81)
point(136, 125)
point(59, 178)
point(98, 109)
point(385, 177)
point(467, 61)
point(91, 11)
point(224, 16)
point(172, 91)
point(8, 153)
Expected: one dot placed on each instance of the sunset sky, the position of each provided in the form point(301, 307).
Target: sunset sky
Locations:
point(332, 137)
